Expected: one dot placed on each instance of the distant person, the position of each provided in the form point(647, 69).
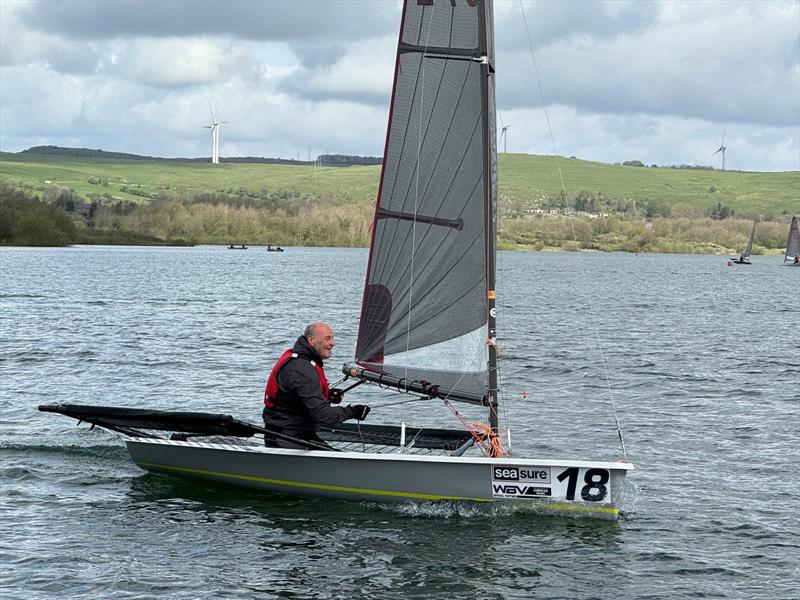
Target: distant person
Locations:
point(297, 400)
point(797, 259)
point(269, 246)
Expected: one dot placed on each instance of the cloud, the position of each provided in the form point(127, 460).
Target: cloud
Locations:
point(363, 74)
point(178, 61)
point(284, 20)
point(19, 46)
point(656, 81)
point(686, 59)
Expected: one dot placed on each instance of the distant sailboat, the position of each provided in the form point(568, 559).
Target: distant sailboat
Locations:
point(744, 258)
point(793, 244)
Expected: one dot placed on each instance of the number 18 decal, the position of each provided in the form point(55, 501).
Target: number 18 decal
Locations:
point(595, 479)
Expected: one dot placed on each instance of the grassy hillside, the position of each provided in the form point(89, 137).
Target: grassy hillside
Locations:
point(176, 178)
point(523, 178)
point(751, 194)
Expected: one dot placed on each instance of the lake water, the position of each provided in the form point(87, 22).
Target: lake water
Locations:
point(703, 361)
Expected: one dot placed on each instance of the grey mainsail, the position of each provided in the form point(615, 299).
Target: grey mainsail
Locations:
point(425, 312)
point(793, 242)
point(749, 249)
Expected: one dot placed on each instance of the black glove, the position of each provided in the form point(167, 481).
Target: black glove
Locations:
point(335, 396)
point(359, 411)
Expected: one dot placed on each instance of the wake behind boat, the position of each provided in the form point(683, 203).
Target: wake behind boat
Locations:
point(428, 318)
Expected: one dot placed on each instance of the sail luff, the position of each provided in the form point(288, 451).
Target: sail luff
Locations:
point(375, 216)
point(489, 150)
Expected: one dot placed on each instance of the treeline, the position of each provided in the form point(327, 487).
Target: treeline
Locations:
point(683, 235)
point(302, 223)
point(28, 222)
point(286, 219)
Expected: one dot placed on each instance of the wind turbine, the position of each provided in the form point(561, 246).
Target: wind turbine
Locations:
point(504, 136)
point(214, 127)
point(722, 149)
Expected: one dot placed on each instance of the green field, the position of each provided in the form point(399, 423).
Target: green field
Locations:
point(182, 178)
point(525, 179)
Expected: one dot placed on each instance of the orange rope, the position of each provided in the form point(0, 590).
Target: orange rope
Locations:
point(483, 435)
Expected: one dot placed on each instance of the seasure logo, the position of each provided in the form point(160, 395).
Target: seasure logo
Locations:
point(521, 474)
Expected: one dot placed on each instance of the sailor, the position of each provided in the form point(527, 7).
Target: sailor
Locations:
point(297, 400)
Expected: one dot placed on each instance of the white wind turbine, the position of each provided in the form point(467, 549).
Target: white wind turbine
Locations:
point(214, 127)
point(503, 134)
point(722, 149)
point(504, 137)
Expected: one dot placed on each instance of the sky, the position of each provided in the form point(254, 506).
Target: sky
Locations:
point(655, 81)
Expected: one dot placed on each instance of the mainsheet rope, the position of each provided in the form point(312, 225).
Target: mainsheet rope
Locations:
point(574, 235)
point(483, 435)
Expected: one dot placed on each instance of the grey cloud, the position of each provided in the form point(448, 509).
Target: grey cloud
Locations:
point(257, 20)
point(549, 21)
point(317, 54)
point(301, 85)
point(691, 66)
point(77, 59)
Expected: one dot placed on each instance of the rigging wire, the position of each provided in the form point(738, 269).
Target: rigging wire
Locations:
point(572, 225)
point(501, 327)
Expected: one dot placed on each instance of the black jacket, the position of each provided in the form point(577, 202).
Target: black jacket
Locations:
point(300, 407)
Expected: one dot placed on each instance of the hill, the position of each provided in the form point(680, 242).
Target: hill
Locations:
point(602, 206)
point(525, 181)
point(322, 159)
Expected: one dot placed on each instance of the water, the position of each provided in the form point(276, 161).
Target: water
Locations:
point(704, 365)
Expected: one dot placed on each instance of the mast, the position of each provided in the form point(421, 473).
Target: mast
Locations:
point(487, 70)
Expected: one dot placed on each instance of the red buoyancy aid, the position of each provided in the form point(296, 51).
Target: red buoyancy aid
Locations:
point(271, 391)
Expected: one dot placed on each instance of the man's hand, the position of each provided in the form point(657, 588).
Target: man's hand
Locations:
point(359, 411)
point(335, 396)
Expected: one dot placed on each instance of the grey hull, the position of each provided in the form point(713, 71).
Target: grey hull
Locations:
point(579, 487)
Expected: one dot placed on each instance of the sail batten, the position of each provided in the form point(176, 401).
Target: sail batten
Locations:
point(425, 313)
point(469, 53)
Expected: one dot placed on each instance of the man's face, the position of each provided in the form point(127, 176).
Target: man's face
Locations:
point(322, 341)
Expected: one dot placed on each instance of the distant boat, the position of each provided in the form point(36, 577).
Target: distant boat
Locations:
point(744, 258)
point(237, 247)
point(793, 244)
point(275, 249)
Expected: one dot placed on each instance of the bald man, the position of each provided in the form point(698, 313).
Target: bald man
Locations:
point(297, 400)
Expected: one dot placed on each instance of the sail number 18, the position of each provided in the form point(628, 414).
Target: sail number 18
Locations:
point(595, 479)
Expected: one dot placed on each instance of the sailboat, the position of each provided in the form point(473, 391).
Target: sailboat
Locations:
point(793, 244)
point(428, 318)
point(744, 257)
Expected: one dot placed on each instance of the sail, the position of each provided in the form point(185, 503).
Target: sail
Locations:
point(425, 313)
point(749, 249)
point(793, 243)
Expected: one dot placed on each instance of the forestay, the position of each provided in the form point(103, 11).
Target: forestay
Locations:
point(425, 311)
